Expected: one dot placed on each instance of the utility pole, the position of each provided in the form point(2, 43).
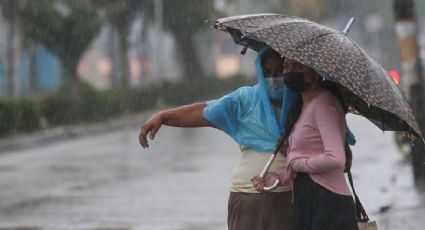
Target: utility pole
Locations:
point(158, 53)
point(412, 82)
point(11, 55)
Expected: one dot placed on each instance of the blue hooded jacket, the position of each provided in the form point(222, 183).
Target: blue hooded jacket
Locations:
point(247, 114)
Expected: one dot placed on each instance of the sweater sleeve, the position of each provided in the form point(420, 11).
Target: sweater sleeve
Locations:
point(330, 121)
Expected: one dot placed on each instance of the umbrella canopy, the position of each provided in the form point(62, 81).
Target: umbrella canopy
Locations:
point(365, 84)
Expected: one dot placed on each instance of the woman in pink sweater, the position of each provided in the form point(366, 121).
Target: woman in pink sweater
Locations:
point(315, 147)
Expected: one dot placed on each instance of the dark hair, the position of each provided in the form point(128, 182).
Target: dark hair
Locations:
point(270, 53)
point(336, 91)
point(296, 107)
point(293, 115)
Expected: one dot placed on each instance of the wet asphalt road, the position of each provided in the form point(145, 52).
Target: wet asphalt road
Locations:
point(107, 181)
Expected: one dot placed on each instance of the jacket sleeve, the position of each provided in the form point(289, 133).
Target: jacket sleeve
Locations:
point(223, 113)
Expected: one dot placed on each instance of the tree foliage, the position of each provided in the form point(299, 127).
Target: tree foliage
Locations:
point(184, 19)
point(65, 27)
point(120, 14)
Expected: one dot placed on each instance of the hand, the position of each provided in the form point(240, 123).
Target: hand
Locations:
point(151, 126)
point(286, 176)
point(260, 182)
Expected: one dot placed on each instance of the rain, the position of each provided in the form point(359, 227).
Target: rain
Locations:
point(78, 79)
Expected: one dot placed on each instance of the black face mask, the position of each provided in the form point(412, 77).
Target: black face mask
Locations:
point(295, 82)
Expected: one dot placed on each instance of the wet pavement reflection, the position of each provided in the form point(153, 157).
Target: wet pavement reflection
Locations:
point(108, 181)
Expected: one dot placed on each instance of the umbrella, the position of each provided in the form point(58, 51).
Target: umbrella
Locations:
point(365, 85)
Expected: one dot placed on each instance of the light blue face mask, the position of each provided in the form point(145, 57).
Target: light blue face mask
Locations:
point(275, 87)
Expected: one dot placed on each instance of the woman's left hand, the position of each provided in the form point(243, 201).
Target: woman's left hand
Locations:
point(260, 182)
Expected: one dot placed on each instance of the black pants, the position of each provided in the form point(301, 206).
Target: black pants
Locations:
point(316, 208)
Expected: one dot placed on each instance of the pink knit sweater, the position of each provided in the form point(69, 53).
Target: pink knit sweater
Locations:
point(316, 144)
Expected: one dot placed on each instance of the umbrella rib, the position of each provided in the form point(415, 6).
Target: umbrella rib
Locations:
point(312, 40)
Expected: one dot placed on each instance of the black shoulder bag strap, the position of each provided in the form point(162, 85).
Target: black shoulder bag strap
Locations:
point(360, 212)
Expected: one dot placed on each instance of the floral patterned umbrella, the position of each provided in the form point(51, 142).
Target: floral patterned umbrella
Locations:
point(366, 86)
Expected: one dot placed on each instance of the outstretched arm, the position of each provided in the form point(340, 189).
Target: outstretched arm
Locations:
point(184, 116)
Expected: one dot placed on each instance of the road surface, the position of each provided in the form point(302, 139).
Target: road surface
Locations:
point(107, 181)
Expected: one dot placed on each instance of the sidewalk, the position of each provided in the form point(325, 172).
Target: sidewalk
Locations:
point(383, 179)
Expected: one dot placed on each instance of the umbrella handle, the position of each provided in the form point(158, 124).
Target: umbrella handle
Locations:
point(273, 186)
point(264, 171)
point(267, 166)
point(269, 163)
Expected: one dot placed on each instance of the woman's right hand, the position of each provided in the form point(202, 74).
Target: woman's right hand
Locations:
point(183, 116)
point(150, 127)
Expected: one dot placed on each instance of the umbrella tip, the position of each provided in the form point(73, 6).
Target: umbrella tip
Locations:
point(348, 26)
point(244, 49)
point(210, 21)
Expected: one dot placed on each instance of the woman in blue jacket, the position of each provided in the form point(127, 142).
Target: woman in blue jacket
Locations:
point(254, 116)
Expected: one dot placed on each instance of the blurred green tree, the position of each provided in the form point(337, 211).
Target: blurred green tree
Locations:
point(12, 38)
point(120, 14)
point(184, 19)
point(65, 27)
point(68, 27)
